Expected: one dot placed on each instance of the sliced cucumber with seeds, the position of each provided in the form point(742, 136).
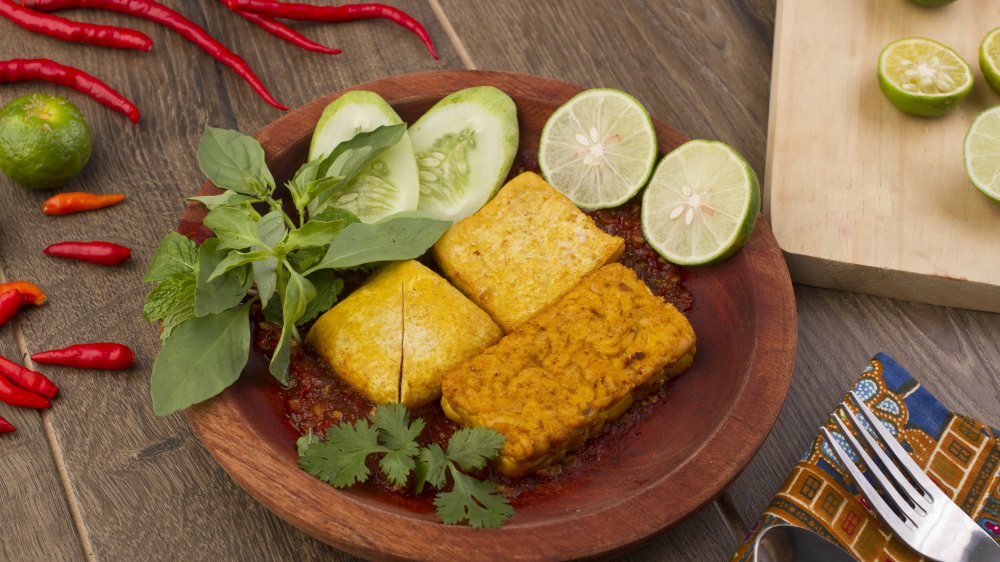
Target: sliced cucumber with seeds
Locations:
point(465, 146)
point(388, 185)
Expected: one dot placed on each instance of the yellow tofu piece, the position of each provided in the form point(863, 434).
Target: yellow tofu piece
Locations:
point(554, 382)
point(395, 337)
point(523, 250)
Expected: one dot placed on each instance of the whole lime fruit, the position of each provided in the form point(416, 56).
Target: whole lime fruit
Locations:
point(44, 141)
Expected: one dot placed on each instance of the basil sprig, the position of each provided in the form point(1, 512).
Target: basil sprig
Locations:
point(260, 253)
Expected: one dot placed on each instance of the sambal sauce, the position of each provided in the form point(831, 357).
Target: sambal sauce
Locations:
point(317, 398)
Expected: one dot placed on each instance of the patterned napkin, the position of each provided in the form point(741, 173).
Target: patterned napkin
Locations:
point(961, 455)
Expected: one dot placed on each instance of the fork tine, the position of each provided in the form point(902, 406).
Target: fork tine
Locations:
point(925, 486)
point(903, 507)
point(888, 516)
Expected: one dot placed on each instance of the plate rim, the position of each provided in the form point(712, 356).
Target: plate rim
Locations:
point(748, 422)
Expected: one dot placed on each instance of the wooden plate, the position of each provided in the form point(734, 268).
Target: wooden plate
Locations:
point(685, 453)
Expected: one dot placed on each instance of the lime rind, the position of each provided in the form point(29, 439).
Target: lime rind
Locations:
point(701, 204)
point(598, 148)
point(923, 77)
point(989, 59)
point(982, 153)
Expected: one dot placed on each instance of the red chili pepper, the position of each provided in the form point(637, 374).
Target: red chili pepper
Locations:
point(29, 380)
point(76, 201)
point(10, 302)
point(156, 12)
point(101, 253)
point(17, 70)
point(31, 293)
point(282, 31)
point(15, 396)
point(102, 355)
point(68, 30)
point(346, 12)
point(6, 426)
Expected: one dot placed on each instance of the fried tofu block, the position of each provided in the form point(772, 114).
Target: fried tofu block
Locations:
point(523, 250)
point(558, 378)
point(395, 337)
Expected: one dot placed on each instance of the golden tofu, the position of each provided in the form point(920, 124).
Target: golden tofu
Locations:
point(523, 250)
point(395, 337)
point(556, 380)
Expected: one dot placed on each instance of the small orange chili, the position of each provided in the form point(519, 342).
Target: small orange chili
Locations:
point(29, 291)
point(76, 201)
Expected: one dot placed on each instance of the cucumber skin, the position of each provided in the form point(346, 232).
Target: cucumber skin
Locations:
point(498, 105)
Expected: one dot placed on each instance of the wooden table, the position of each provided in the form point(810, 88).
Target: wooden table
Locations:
point(101, 477)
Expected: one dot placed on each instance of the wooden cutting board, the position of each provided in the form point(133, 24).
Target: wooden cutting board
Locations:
point(861, 196)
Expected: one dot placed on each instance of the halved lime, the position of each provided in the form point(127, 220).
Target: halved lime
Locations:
point(384, 187)
point(923, 77)
point(989, 59)
point(701, 203)
point(982, 152)
point(598, 148)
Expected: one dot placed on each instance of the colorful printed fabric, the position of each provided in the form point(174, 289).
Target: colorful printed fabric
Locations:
point(960, 454)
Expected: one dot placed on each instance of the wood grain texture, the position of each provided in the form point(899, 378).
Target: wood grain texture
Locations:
point(863, 196)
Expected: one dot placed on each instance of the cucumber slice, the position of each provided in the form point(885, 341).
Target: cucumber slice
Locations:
point(388, 185)
point(465, 146)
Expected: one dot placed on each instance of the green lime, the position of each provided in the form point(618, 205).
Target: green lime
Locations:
point(989, 59)
point(701, 203)
point(932, 3)
point(598, 148)
point(982, 158)
point(923, 77)
point(44, 141)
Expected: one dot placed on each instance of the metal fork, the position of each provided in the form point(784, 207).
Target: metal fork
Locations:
point(906, 499)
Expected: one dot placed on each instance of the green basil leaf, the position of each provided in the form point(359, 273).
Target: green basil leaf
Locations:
point(271, 228)
point(176, 254)
point(213, 297)
point(224, 198)
point(393, 238)
point(200, 359)
point(235, 227)
point(328, 288)
point(335, 214)
point(236, 259)
point(313, 233)
point(350, 157)
point(298, 291)
point(234, 161)
point(265, 276)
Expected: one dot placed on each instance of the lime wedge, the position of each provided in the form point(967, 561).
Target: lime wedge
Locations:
point(701, 204)
point(982, 152)
point(923, 77)
point(389, 184)
point(598, 148)
point(989, 59)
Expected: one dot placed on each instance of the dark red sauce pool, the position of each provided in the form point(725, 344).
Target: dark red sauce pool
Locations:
point(317, 398)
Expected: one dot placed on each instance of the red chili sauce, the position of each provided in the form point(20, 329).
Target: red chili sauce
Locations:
point(317, 398)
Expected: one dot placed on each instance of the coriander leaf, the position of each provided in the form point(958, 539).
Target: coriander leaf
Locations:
point(397, 465)
point(213, 297)
point(474, 501)
point(265, 276)
point(312, 234)
point(393, 420)
point(306, 441)
point(234, 161)
point(236, 227)
point(340, 460)
point(224, 198)
point(328, 289)
point(176, 254)
point(271, 228)
point(390, 239)
point(295, 297)
point(236, 259)
point(172, 302)
point(431, 464)
point(201, 358)
point(470, 448)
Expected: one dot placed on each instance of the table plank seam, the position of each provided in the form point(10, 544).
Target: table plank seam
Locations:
point(456, 41)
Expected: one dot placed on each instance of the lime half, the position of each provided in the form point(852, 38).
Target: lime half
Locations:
point(982, 152)
point(701, 204)
point(598, 148)
point(989, 59)
point(923, 77)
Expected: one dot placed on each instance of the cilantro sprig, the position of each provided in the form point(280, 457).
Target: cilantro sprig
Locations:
point(290, 264)
point(341, 460)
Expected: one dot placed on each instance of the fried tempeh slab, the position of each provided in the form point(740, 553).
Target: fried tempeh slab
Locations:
point(395, 337)
point(553, 383)
point(523, 250)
